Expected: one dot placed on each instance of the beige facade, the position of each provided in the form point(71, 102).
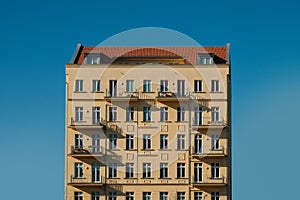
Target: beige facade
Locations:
point(162, 130)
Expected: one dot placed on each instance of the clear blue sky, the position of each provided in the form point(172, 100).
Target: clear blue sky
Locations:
point(38, 38)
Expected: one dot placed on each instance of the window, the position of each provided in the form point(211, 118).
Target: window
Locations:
point(146, 141)
point(112, 141)
point(112, 170)
point(197, 172)
point(180, 195)
point(96, 143)
point(96, 85)
point(147, 114)
point(215, 114)
point(96, 115)
point(78, 196)
point(79, 86)
point(146, 170)
point(164, 114)
point(92, 58)
point(163, 170)
point(205, 59)
point(215, 196)
point(146, 195)
point(198, 116)
point(163, 195)
point(180, 88)
point(215, 142)
point(197, 195)
point(78, 170)
point(147, 86)
point(163, 141)
point(129, 170)
point(78, 114)
point(95, 195)
point(129, 141)
point(198, 143)
point(180, 114)
point(180, 142)
point(129, 85)
point(129, 195)
point(129, 114)
point(96, 172)
point(112, 196)
point(113, 88)
point(78, 141)
point(164, 86)
point(112, 114)
point(215, 86)
point(215, 170)
point(180, 170)
point(197, 86)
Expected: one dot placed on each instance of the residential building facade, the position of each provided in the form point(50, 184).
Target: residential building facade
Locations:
point(148, 123)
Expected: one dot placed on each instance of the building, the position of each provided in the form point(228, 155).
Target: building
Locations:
point(148, 123)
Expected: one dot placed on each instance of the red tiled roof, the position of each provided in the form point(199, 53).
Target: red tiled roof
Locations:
point(189, 53)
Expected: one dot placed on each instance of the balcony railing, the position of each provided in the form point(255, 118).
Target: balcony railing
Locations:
point(90, 149)
point(87, 180)
point(122, 94)
point(208, 152)
point(209, 180)
point(206, 121)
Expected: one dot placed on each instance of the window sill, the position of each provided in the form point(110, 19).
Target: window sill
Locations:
point(126, 178)
point(165, 121)
point(147, 150)
point(165, 149)
point(148, 92)
point(79, 92)
point(130, 149)
point(113, 178)
point(216, 92)
point(167, 178)
point(147, 121)
point(97, 92)
point(200, 92)
point(147, 178)
point(181, 178)
point(181, 121)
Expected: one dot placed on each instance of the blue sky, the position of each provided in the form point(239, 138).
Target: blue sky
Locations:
point(38, 38)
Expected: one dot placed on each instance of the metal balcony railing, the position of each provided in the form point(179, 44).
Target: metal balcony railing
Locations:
point(87, 179)
point(121, 94)
point(87, 149)
point(206, 121)
point(209, 180)
point(211, 151)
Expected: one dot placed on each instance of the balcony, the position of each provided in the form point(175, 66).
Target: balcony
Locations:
point(121, 96)
point(209, 153)
point(89, 124)
point(208, 181)
point(205, 123)
point(87, 151)
point(87, 181)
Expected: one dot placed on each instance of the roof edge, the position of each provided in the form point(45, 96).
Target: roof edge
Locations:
point(76, 53)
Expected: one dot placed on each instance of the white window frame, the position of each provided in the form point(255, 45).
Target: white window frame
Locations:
point(180, 88)
point(113, 114)
point(113, 141)
point(79, 85)
point(147, 114)
point(197, 195)
point(147, 170)
point(96, 86)
point(95, 195)
point(129, 114)
point(78, 113)
point(112, 170)
point(164, 141)
point(215, 170)
point(78, 170)
point(129, 85)
point(147, 86)
point(129, 173)
point(112, 196)
point(215, 85)
point(164, 114)
point(181, 170)
point(129, 195)
point(205, 59)
point(96, 115)
point(146, 141)
point(164, 170)
point(163, 195)
point(129, 141)
point(96, 143)
point(92, 59)
point(146, 195)
point(198, 143)
point(198, 116)
point(198, 172)
point(164, 86)
point(215, 195)
point(180, 195)
point(215, 114)
point(180, 114)
point(78, 141)
point(181, 142)
point(78, 195)
point(198, 86)
point(215, 142)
